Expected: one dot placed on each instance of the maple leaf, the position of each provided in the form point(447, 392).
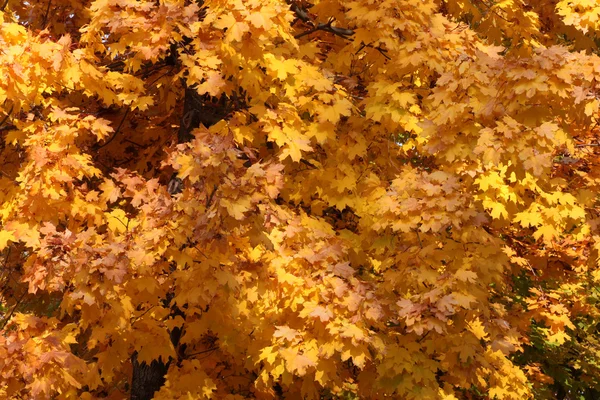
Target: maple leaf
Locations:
point(5, 237)
point(353, 332)
point(477, 329)
point(285, 332)
point(466, 275)
point(296, 362)
point(117, 221)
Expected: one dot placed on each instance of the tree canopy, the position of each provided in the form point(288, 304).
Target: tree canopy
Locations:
point(324, 199)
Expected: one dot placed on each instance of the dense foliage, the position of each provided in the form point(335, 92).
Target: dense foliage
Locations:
point(332, 199)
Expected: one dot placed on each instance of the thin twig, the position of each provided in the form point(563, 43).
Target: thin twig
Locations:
point(116, 66)
point(381, 50)
point(493, 10)
point(200, 251)
point(160, 77)
point(423, 337)
point(132, 142)
point(45, 20)
point(136, 319)
point(9, 271)
point(588, 145)
point(306, 162)
point(7, 115)
point(150, 69)
point(328, 27)
point(419, 238)
point(201, 352)
point(12, 311)
point(7, 128)
point(117, 131)
point(210, 197)
point(344, 33)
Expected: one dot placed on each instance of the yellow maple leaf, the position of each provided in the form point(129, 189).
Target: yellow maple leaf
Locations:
point(340, 107)
point(117, 221)
point(477, 329)
point(546, 231)
point(353, 332)
point(236, 208)
point(5, 237)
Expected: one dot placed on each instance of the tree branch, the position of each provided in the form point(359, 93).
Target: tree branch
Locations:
point(45, 20)
point(201, 352)
point(344, 33)
point(378, 48)
point(301, 13)
point(5, 118)
point(6, 319)
point(328, 27)
point(116, 131)
point(210, 197)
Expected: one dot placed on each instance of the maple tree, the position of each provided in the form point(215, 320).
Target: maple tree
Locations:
point(299, 199)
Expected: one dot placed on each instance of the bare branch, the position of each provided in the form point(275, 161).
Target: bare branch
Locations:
point(301, 13)
point(328, 27)
point(45, 20)
point(344, 33)
point(201, 352)
point(6, 319)
point(210, 197)
point(116, 131)
point(378, 48)
point(5, 118)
